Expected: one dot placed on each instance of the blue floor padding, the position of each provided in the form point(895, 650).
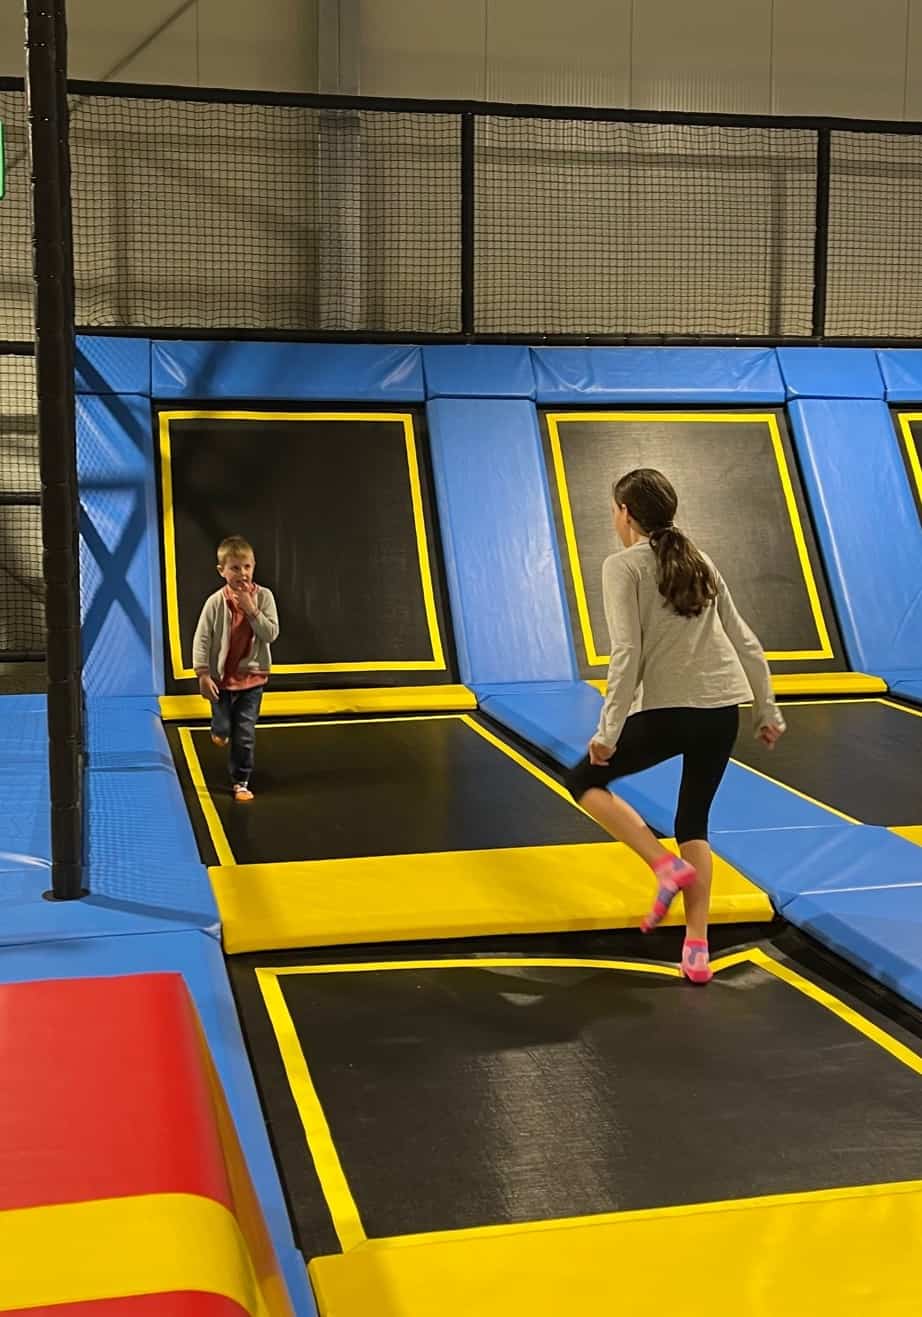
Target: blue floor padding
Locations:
point(878, 930)
point(198, 958)
point(790, 862)
point(25, 833)
point(908, 690)
point(144, 871)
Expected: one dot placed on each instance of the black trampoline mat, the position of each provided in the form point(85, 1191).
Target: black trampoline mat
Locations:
point(732, 502)
point(862, 757)
point(339, 513)
point(474, 1096)
point(390, 787)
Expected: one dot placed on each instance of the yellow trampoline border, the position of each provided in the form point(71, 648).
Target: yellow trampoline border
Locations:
point(180, 670)
point(553, 419)
point(337, 1193)
point(912, 451)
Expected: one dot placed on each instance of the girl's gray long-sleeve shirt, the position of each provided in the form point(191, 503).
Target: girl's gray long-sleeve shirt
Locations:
point(661, 660)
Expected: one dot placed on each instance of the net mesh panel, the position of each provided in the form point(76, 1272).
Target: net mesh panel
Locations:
point(16, 224)
point(22, 606)
point(204, 215)
point(874, 282)
point(609, 228)
point(264, 217)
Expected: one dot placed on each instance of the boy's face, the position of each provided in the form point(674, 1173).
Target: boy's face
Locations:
point(237, 571)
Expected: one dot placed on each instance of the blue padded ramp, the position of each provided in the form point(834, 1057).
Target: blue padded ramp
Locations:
point(879, 931)
point(504, 579)
point(112, 365)
point(297, 372)
point(901, 369)
point(199, 960)
point(557, 718)
point(478, 371)
point(119, 548)
point(831, 372)
point(868, 528)
point(665, 375)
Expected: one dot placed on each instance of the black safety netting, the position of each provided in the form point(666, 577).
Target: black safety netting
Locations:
point(601, 228)
point(22, 609)
point(875, 236)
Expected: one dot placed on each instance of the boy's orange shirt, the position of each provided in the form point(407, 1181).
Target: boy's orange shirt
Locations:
point(241, 639)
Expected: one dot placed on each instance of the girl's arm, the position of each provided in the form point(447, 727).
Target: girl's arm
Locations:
point(622, 613)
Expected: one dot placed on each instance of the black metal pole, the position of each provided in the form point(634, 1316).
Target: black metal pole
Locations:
point(467, 224)
point(821, 234)
point(53, 257)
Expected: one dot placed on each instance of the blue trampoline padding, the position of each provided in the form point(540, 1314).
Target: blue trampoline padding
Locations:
point(504, 577)
point(142, 852)
point(143, 868)
point(665, 375)
point(478, 371)
point(27, 919)
point(296, 372)
point(878, 931)
point(901, 369)
point(794, 862)
point(831, 372)
point(908, 690)
point(112, 365)
point(119, 547)
point(25, 828)
point(745, 803)
point(201, 964)
point(868, 528)
point(557, 718)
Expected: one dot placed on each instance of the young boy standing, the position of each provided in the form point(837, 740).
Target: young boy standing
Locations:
point(231, 657)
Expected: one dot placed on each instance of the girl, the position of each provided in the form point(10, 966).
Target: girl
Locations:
point(680, 646)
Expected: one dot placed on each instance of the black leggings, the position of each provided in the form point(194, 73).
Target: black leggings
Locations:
point(703, 737)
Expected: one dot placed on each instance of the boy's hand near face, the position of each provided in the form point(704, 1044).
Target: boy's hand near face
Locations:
point(245, 595)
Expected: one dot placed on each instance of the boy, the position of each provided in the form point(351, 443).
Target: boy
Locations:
point(230, 654)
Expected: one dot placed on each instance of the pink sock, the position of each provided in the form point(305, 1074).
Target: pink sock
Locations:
point(695, 960)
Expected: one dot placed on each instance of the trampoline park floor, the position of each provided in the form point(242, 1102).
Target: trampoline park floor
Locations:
point(405, 828)
point(552, 1125)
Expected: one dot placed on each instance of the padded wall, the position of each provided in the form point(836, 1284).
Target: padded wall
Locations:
point(868, 527)
point(500, 552)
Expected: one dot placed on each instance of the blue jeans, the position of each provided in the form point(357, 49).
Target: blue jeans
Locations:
point(234, 718)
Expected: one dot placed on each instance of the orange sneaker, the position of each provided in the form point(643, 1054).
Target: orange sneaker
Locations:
point(219, 740)
point(242, 793)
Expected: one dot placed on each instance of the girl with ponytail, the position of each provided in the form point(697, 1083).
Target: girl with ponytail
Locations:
point(684, 659)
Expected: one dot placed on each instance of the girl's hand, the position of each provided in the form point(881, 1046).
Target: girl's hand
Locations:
point(770, 735)
point(599, 753)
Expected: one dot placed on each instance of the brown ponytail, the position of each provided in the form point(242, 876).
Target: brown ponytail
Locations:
point(685, 580)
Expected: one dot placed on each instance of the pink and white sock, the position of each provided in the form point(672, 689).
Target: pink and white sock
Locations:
point(695, 960)
point(673, 875)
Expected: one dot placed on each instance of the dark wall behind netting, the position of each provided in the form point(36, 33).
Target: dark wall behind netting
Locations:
point(213, 214)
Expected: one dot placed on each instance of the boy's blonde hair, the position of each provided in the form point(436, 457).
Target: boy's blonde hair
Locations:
point(235, 546)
